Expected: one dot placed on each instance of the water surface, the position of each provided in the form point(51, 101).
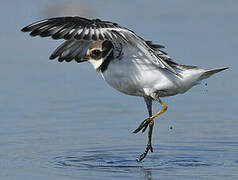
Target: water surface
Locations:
point(62, 121)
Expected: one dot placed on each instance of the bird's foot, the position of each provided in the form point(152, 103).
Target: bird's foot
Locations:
point(143, 126)
point(142, 156)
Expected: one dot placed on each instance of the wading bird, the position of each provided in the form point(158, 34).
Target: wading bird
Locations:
point(126, 61)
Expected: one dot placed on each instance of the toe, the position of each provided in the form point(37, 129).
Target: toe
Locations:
point(142, 125)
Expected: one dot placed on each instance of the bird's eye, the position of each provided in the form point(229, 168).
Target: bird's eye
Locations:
point(96, 54)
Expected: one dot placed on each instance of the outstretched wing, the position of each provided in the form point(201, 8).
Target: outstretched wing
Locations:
point(77, 28)
point(80, 32)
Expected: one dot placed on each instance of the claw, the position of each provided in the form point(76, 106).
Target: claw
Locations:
point(143, 125)
point(149, 122)
point(146, 125)
point(142, 156)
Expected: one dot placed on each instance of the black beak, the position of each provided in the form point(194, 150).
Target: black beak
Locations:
point(81, 60)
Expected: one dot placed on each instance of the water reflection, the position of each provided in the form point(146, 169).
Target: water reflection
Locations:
point(98, 164)
point(122, 161)
point(46, 107)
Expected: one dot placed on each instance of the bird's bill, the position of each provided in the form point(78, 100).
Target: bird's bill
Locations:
point(82, 60)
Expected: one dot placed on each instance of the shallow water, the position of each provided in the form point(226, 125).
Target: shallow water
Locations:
point(62, 121)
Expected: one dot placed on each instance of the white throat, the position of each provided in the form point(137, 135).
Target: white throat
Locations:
point(96, 63)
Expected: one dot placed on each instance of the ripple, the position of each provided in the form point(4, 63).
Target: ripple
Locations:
point(189, 163)
point(124, 160)
point(98, 160)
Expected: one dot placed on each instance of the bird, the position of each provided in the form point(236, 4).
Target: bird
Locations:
point(126, 61)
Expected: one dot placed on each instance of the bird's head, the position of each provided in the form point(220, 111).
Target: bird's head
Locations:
point(100, 53)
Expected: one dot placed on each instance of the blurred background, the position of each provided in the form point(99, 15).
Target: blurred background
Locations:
point(61, 120)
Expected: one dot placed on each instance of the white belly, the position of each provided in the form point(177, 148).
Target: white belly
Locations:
point(137, 79)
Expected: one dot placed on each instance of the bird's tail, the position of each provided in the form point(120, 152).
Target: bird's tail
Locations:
point(210, 72)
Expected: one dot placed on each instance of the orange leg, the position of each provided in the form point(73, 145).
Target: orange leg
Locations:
point(150, 122)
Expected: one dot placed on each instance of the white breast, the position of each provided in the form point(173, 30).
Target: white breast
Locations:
point(138, 78)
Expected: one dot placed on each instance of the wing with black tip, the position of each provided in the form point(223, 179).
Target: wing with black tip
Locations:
point(77, 28)
point(72, 50)
point(80, 32)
